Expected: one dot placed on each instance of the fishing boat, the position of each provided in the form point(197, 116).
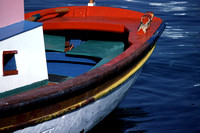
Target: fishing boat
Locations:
point(65, 69)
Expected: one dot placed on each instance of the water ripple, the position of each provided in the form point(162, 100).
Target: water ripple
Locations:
point(172, 6)
point(197, 85)
point(133, 1)
point(174, 33)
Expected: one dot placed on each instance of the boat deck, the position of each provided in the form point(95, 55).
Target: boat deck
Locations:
point(83, 57)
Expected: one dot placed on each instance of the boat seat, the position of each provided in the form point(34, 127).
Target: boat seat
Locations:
point(59, 64)
point(75, 24)
point(80, 59)
point(57, 43)
point(54, 43)
point(105, 50)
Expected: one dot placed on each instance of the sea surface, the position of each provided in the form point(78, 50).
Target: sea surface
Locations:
point(166, 96)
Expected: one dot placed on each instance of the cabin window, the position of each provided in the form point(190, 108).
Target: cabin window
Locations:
point(9, 63)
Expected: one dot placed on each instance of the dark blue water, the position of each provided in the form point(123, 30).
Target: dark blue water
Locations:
point(166, 96)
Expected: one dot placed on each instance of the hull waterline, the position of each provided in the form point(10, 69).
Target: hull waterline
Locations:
point(85, 118)
point(90, 78)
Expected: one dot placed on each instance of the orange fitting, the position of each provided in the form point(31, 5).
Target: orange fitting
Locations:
point(91, 1)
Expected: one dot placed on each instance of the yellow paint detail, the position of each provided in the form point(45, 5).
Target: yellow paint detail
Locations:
point(124, 78)
point(102, 93)
point(63, 111)
point(110, 87)
point(49, 117)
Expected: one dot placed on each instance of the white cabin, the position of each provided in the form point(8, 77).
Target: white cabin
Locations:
point(22, 53)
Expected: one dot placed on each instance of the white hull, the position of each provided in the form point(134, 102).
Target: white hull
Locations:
point(85, 118)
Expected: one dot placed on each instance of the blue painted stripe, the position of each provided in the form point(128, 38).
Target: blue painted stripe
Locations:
point(76, 42)
point(157, 34)
point(17, 28)
point(60, 64)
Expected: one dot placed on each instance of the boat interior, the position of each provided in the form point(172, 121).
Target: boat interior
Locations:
point(72, 53)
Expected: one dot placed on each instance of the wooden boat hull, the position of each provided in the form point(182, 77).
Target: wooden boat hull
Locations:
point(77, 104)
point(85, 118)
point(87, 113)
point(82, 120)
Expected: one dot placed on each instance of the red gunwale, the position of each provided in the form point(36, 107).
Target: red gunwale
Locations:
point(102, 19)
point(87, 18)
point(102, 73)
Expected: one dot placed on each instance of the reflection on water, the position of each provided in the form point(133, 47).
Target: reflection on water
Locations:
point(166, 97)
point(122, 120)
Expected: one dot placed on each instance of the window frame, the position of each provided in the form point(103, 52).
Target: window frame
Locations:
point(9, 72)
